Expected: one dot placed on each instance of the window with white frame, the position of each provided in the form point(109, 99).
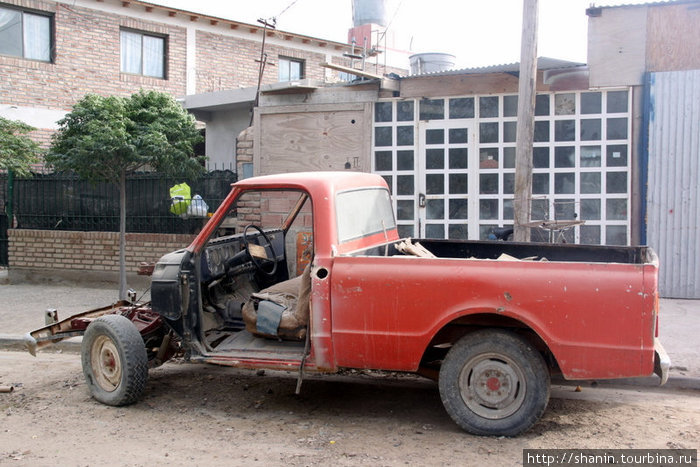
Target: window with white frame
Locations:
point(450, 163)
point(142, 53)
point(25, 34)
point(290, 69)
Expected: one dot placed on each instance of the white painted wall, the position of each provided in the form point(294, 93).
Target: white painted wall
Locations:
point(34, 116)
point(222, 131)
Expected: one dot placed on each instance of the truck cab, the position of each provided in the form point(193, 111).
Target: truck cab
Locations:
point(272, 242)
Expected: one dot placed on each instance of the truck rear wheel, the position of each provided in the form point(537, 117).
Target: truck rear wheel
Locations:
point(114, 360)
point(493, 382)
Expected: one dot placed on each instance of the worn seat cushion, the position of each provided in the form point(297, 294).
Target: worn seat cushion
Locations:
point(293, 295)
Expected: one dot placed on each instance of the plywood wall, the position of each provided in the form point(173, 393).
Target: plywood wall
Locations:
point(313, 138)
point(674, 37)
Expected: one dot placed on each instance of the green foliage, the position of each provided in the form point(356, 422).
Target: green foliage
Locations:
point(17, 151)
point(105, 137)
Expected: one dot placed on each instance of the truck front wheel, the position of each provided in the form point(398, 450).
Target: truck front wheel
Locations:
point(114, 360)
point(493, 382)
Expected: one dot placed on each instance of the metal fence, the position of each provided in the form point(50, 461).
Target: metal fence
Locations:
point(4, 259)
point(4, 222)
point(65, 202)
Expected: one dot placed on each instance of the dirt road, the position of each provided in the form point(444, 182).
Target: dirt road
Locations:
point(212, 416)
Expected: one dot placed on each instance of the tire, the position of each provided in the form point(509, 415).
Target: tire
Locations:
point(494, 383)
point(114, 360)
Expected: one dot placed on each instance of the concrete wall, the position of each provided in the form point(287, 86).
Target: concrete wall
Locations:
point(616, 46)
point(222, 130)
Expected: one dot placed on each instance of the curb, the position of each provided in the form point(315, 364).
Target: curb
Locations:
point(675, 381)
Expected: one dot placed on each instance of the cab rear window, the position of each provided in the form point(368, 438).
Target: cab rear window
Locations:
point(364, 212)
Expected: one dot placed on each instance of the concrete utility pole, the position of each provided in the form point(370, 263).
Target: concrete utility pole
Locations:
point(527, 87)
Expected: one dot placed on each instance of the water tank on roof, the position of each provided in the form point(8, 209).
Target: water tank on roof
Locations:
point(431, 62)
point(369, 11)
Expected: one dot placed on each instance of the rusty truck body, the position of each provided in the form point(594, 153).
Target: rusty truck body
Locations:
point(306, 272)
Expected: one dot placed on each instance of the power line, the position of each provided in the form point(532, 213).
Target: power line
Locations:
point(287, 8)
point(393, 17)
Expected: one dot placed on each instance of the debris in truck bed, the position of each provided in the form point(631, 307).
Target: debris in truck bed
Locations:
point(415, 249)
point(507, 257)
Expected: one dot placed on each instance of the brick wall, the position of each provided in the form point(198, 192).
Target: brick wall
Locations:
point(244, 148)
point(87, 251)
point(42, 136)
point(86, 60)
point(225, 62)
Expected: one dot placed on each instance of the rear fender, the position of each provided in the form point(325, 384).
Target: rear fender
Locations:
point(454, 330)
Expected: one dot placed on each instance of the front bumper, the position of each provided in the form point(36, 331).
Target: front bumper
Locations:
point(662, 363)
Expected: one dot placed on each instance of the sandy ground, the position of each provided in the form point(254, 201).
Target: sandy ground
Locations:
point(214, 416)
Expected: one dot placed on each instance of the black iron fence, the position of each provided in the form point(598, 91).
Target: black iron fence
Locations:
point(4, 258)
point(4, 222)
point(65, 202)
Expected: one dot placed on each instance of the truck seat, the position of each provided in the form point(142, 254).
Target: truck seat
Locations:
point(280, 311)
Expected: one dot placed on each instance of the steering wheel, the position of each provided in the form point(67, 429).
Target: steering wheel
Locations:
point(258, 262)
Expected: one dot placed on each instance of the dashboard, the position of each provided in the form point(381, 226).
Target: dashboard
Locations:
point(215, 257)
point(220, 250)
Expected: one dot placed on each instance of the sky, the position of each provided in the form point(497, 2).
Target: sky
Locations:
point(477, 32)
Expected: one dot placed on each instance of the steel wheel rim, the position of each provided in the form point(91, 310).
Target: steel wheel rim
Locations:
point(106, 364)
point(492, 386)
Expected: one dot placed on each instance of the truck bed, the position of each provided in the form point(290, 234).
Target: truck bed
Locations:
point(593, 307)
point(552, 252)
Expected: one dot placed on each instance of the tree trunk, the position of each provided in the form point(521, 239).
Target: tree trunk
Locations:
point(527, 88)
point(122, 235)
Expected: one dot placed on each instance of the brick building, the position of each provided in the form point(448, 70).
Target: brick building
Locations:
point(53, 53)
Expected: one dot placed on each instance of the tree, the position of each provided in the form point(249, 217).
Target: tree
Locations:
point(17, 151)
point(106, 138)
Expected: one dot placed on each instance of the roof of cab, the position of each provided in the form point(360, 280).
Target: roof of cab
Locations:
point(312, 181)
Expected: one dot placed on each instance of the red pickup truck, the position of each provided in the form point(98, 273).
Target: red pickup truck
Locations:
point(306, 272)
